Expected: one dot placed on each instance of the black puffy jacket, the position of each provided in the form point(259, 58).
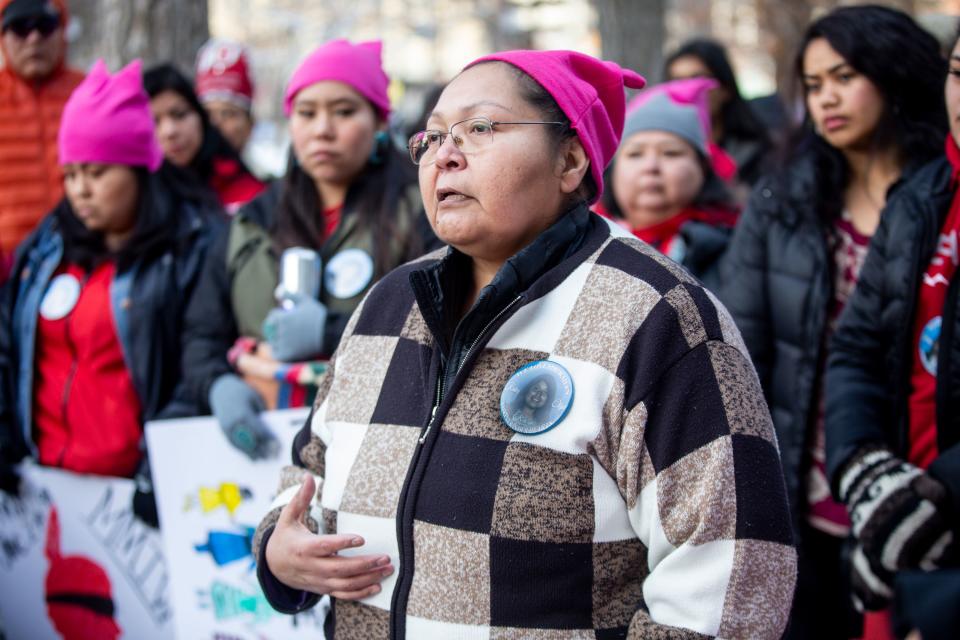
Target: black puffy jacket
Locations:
point(868, 373)
point(871, 355)
point(777, 284)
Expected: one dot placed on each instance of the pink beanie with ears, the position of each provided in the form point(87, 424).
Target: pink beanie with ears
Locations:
point(681, 107)
point(589, 91)
point(107, 120)
point(358, 65)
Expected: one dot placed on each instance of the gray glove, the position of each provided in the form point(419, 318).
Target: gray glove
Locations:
point(296, 334)
point(237, 408)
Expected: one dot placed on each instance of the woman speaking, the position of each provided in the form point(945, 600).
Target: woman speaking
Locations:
point(647, 501)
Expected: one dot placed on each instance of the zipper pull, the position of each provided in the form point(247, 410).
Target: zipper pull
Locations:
point(433, 416)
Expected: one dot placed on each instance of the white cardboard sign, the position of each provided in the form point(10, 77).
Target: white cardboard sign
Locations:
point(210, 498)
point(76, 563)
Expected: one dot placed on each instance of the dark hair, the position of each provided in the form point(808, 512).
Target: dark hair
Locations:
point(737, 117)
point(541, 100)
point(904, 62)
point(374, 197)
point(713, 195)
point(166, 77)
point(521, 400)
point(160, 197)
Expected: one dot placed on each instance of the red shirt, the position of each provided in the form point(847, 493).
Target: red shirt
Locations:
point(86, 409)
point(926, 329)
point(849, 249)
point(331, 218)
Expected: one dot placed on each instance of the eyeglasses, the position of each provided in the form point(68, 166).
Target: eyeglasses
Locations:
point(23, 27)
point(469, 136)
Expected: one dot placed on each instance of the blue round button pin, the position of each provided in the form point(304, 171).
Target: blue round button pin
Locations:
point(929, 345)
point(536, 398)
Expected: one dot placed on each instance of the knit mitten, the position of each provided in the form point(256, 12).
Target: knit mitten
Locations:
point(899, 514)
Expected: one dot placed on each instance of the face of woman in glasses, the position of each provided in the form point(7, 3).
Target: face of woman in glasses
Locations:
point(494, 201)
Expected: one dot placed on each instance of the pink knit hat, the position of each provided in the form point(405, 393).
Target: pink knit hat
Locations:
point(107, 120)
point(587, 90)
point(358, 65)
point(681, 107)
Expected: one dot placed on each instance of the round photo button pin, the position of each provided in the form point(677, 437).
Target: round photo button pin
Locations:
point(536, 398)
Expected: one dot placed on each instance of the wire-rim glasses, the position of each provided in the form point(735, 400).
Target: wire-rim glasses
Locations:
point(469, 135)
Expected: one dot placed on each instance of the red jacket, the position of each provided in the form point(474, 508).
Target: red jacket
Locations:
point(86, 408)
point(31, 182)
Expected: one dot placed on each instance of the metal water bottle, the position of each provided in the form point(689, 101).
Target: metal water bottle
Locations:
point(300, 270)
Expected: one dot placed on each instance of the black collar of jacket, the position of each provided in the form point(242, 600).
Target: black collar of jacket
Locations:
point(705, 244)
point(442, 287)
point(932, 187)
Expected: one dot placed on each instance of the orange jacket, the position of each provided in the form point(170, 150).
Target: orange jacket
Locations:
point(31, 182)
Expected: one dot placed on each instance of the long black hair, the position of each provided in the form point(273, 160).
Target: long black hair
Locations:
point(161, 196)
point(166, 77)
point(373, 196)
point(737, 117)
point(904, 63)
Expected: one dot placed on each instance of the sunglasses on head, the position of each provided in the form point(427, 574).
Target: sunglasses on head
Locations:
point(23, 27)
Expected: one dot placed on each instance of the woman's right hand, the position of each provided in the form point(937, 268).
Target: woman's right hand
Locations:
point(301, 559)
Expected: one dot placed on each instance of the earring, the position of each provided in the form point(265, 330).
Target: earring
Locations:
point(381, 142)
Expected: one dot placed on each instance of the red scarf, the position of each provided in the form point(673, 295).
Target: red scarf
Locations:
point(661, 235)
point(926, 330)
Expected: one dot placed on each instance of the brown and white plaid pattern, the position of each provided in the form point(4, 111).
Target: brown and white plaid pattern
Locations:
point(656, 509)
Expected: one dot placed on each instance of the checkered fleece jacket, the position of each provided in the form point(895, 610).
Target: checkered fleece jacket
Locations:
point(655, 509)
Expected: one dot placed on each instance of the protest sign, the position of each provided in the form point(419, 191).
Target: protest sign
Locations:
point(76, 563)
point(210, 498)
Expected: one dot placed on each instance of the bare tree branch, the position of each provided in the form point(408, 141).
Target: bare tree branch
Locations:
point(154, 30)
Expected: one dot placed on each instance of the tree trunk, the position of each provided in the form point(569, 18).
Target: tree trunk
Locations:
point(154, 30)
point(632, 34)
point(782, 25)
